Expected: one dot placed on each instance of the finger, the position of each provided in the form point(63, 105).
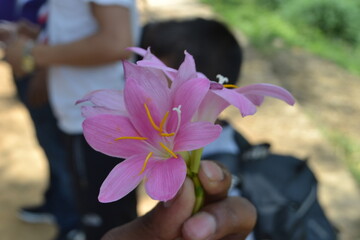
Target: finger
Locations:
point(163, 222)
point(232, 218)
point(215, 180)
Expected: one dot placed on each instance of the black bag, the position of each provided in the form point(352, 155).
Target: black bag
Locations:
point(284, 191)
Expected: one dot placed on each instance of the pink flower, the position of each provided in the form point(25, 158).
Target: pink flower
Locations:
point(149, 125)
point(218, 97)
point(153, 122)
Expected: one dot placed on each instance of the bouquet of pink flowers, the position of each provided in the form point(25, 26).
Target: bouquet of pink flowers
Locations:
point(160, 122)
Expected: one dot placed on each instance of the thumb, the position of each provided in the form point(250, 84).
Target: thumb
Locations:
point(163, 222)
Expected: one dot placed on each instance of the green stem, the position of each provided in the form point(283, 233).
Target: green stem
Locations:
point(195, 160)
point(193, 170)
point(199, 194)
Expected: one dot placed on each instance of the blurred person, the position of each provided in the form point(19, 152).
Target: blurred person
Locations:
point(87, 41)
point(28, 18)
point(222, 217)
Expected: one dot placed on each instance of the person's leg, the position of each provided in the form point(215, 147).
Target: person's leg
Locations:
point(59, 196)
point(112, 214)
point(92, 167)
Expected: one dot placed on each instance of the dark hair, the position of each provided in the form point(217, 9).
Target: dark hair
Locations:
point(214, 47)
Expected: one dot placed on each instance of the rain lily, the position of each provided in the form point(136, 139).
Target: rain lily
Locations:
point(150, 126)
point(159, 127)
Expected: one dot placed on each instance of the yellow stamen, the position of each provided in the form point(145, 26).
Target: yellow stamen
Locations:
point(167, 134)
point(230, 86)
point(163, 121)
point(168, 150)
point(146, 161)
point(150, 118)
point(134, 138)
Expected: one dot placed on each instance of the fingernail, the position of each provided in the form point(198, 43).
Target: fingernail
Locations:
point(212, 171)
point(201, 226)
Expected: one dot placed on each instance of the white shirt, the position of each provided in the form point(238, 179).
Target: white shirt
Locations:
point(223, 144)
point(72, 20)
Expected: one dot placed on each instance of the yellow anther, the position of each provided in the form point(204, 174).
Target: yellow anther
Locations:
point(163, 121)
point(150, 118)
point(168, 150)
point(230, 86)
point(167, 134)
point(146, 161)
point(134, 138)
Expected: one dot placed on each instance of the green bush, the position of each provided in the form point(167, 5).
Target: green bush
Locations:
point(271, 4)
point(334, 18)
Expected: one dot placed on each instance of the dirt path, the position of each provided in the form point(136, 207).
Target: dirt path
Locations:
point(325, 92)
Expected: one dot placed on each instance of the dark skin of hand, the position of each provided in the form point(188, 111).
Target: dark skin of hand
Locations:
point(222, 217)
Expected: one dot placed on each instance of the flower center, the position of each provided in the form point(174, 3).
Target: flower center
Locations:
point(159, 128)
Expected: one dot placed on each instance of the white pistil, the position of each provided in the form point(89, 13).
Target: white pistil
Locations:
point(178, 110)
point(222, 79)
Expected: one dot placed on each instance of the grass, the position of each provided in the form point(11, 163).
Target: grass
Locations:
point(263, 26)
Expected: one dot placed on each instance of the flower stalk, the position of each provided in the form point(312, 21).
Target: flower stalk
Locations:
point(194, 166)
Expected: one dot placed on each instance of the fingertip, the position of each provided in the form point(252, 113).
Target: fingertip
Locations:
point(212, 171)
point(199, 227)
point(215, 179)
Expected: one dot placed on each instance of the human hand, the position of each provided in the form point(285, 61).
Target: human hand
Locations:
point(222, 217)
point(14, 52)
point(28, 29)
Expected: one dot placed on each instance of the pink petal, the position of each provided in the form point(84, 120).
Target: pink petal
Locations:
point(165, 178)
point(101, 131)
point(147, 55)
point(255, 99)
point(187, 70)
point(122, 179)
point(264, 89)
point(196, 135)
point(210, 114)
point(157, 102)
point(245, 106)
point(152, 61)
point(144, 75)
point(137, 50)
point(152, 81)
point(189, 95)
point(112, 99)
point(89, 111)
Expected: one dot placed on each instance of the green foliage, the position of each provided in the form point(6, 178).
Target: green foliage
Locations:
point(271, 4)
point(335, 19)
point(332, 32)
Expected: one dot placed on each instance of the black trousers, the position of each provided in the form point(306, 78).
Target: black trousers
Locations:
point(89, 169)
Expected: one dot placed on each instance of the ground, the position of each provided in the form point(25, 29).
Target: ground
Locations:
point(326, 97)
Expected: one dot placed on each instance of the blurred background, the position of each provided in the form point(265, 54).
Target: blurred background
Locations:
point(310, 47)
